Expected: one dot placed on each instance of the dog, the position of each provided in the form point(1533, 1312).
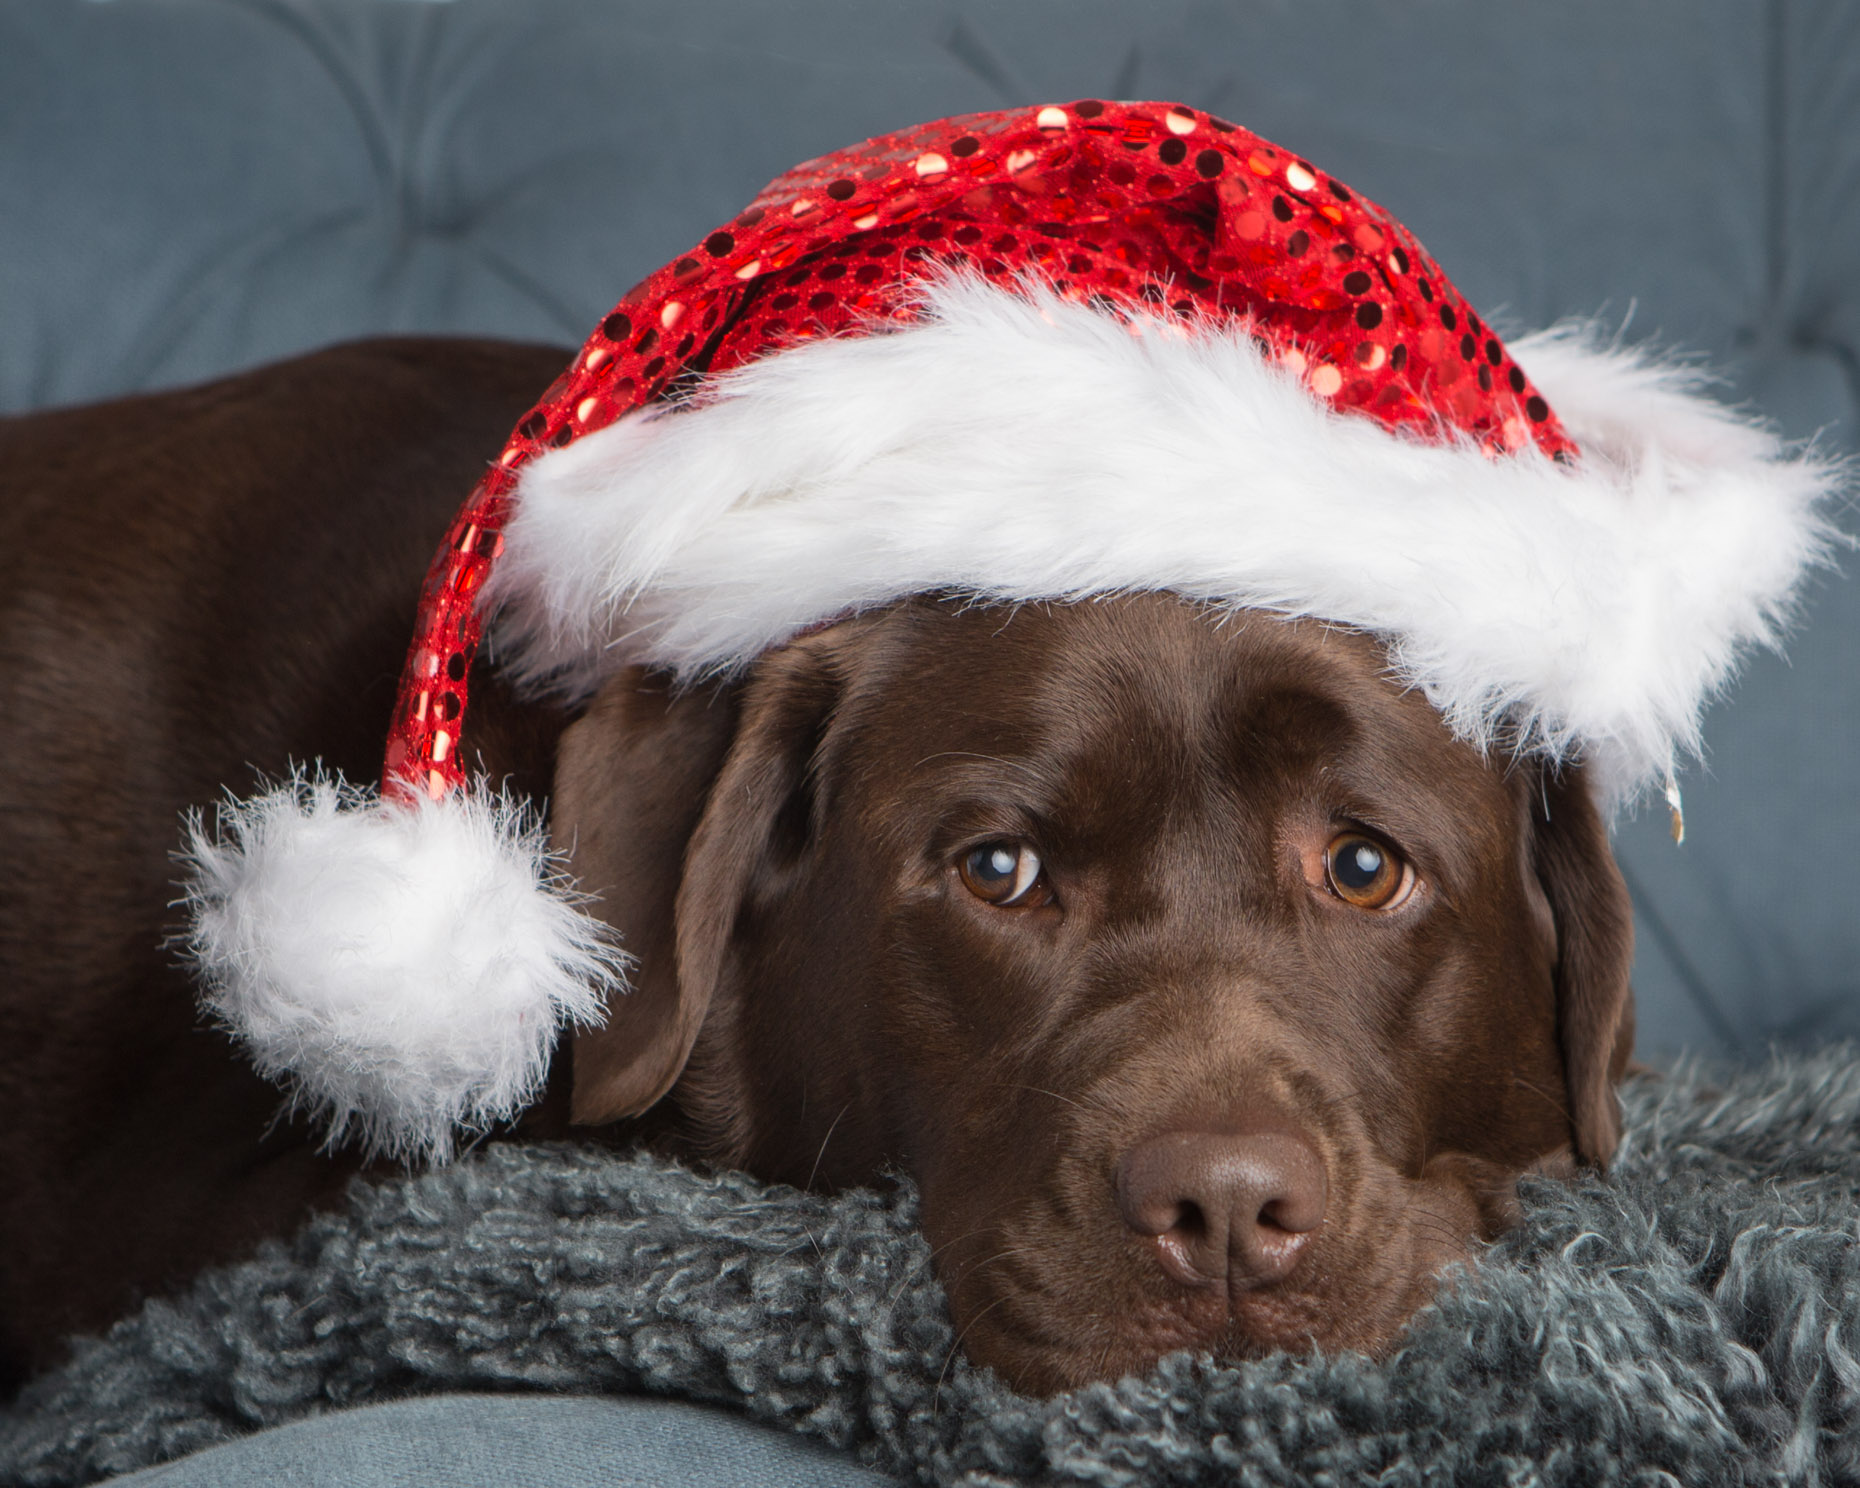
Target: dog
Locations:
point(1214, 994)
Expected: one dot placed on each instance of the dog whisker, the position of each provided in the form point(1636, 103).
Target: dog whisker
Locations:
point(955, 1348)
point(1041, 1090)
point(814, 1171)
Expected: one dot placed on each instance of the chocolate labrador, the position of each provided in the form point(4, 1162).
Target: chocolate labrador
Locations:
point(1212, 992)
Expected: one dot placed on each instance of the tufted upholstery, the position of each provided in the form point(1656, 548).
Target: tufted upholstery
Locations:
point(190, 186)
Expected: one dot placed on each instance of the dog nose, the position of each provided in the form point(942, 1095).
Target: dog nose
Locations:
point(1230, 1209)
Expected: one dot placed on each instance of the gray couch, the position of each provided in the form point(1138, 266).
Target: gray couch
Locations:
point(192, 186)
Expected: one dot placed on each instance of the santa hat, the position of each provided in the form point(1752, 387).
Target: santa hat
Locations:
point(1041, 354)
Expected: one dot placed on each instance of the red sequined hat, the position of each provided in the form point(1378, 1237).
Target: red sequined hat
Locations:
point(1038, 354)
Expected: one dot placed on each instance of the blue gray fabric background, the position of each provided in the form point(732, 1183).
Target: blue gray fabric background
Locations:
point(536, 1441)
point(193, 186)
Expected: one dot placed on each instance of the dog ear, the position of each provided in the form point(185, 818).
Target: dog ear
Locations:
point(670, 806)
point(764, 811)
point(632, 776)
point(1595, 955)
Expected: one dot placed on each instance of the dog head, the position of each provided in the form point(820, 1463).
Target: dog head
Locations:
point(1212, 992)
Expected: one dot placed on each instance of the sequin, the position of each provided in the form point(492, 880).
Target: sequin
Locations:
point(1121, 210)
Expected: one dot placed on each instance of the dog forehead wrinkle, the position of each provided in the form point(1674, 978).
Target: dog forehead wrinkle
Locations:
point(955, 711)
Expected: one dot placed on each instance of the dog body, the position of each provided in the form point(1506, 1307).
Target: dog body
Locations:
point(193, 587)
point(1212, 992)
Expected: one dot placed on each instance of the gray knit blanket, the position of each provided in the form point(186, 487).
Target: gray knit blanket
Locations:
point(1693, 1319)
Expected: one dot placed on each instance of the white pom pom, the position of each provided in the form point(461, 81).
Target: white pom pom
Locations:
point(402, 967)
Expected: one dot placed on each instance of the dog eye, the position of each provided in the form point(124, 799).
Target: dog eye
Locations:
point(1365, 872)
point(1005, 874)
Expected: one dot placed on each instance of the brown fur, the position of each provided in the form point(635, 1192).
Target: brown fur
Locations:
point(199, 587)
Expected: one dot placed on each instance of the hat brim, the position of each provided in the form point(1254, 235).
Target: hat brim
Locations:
point(1017, 446)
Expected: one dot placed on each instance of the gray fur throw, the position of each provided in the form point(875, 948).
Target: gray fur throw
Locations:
point(1693, 1319)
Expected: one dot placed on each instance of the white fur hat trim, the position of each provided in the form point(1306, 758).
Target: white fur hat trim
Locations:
point(1017, 446)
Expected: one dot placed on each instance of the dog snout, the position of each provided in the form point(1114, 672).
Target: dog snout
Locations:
point(1234, 1210)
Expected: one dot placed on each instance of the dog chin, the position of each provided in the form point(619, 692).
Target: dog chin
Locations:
point(1230, 1329)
